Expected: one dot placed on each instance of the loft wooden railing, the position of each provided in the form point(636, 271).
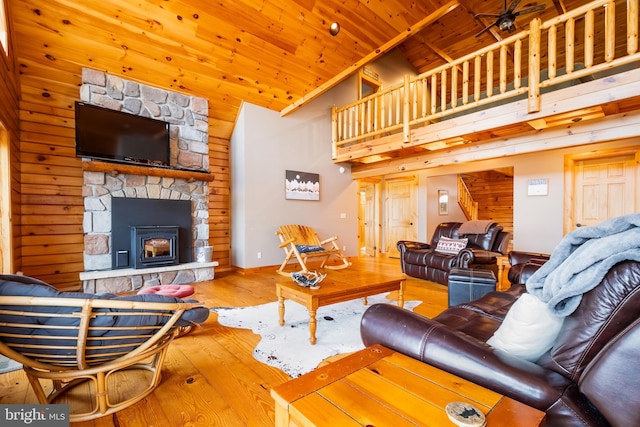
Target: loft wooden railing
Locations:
point(495, 73)
point(465, 200)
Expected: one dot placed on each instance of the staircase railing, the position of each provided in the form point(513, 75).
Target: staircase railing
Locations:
point(505, 70)
point(465, 200)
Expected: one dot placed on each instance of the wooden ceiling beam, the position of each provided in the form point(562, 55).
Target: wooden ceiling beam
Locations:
point(419, 26)
point(560, 6)
point(442, 54)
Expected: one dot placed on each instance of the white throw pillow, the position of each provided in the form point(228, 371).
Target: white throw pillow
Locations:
point(529, 329)
point(447, 245)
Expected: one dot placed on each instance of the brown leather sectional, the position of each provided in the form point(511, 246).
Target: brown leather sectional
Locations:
point(590, 376)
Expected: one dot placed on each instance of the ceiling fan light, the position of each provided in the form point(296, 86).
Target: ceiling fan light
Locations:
point(505, 24)
point(334, 28)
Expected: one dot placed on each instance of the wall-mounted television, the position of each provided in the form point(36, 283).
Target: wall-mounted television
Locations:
point(111, 135)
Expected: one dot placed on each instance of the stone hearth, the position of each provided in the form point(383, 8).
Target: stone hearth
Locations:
point(127, 280)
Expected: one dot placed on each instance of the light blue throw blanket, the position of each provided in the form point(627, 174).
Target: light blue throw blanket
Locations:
point(582, 259)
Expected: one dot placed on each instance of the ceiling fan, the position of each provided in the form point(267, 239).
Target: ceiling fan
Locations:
point(505, 20)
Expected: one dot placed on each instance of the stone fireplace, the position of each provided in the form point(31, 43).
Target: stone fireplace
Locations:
point(188, 117)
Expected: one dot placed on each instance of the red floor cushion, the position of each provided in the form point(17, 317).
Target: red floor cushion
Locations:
point(177, 291)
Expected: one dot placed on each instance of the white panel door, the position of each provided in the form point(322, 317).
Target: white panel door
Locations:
point(368, 224)
point(604, 188)
point(401, 213)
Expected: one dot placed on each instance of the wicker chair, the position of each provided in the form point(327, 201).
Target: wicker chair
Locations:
point(102, 353)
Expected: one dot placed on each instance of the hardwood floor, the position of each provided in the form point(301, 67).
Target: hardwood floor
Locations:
point(210, 377)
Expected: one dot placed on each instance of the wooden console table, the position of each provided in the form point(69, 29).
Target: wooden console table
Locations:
point(379, 387)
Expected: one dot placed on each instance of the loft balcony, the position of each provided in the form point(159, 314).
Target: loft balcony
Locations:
point(579, 70)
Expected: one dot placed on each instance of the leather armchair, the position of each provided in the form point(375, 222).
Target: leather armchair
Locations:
point(523, 265)
point(422, 261)
point(588, 378)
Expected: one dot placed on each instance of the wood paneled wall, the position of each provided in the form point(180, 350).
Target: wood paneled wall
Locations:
point(493, 190)
point(10, 167)
point(51, 177)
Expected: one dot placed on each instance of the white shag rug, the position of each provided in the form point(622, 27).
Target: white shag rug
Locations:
point(287, 347)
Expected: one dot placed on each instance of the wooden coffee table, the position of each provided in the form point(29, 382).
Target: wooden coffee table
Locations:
point(379, 387)
point(338, 286)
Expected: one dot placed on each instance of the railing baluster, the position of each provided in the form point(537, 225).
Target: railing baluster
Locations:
point(353, 122)
point(503, 69)
point(589, 34)
point(443, 90)
point(425, 97)
point(465, 83)
point(477, 77)
point(517, 65)
point(363, 117)
point(383, 110)
point(434, 93)
point(414, 101)
point(376, 102)
point(454, 87)
point(610, 32)
point(369, 118)
point(552, 51)
point(632, 26)
point(392, 95)
point(398, 106)
point(406, 109)
point(534, 66)
point(489, 74)
point(334, 131)
point(570, 34)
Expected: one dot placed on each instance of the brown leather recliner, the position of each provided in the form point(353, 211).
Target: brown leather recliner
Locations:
point(421, 260)
point(590, 376)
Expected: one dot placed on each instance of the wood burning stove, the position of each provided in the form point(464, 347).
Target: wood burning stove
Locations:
point(152, 246)
point(127, 213)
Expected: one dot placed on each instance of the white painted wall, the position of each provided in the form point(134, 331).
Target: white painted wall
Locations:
point(538, 221)
point(264, 145)
point(238, 188)
point(450, 184)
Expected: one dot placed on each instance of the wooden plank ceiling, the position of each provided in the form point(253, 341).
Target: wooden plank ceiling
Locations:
point(270, 53)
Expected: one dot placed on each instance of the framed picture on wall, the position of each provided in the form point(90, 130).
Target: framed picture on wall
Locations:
point(443, 202)
point(302, 185)
point(538, 187)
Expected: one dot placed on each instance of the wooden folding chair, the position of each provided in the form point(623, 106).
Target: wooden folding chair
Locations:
point(303, 243)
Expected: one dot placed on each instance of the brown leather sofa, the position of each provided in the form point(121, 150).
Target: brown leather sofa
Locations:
point(590, 376)
point(421, 260)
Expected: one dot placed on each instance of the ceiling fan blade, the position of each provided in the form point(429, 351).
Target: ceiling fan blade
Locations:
point(486, 29)
point(486, 15)
point(530, 10)
point(513, 6)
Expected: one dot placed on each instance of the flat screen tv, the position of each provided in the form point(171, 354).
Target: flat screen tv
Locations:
point(111, 135)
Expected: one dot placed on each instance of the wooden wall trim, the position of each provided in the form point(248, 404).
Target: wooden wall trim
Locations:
point(9, 164)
